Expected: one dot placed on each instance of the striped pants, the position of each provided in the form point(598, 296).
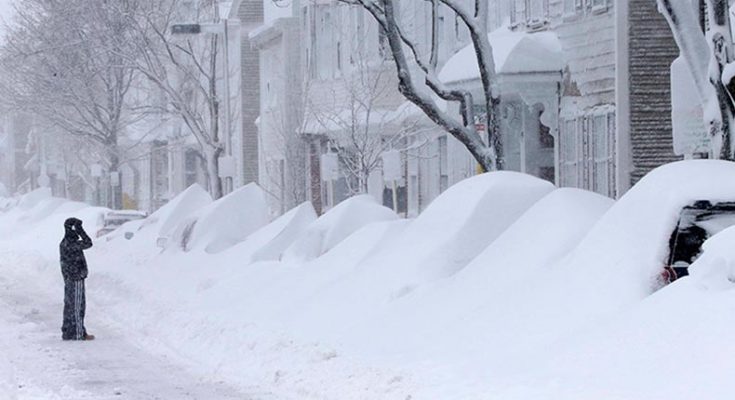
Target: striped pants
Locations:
point(74, 308)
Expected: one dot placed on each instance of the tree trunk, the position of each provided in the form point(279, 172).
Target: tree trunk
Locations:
point(115, 200)
point(213, 180)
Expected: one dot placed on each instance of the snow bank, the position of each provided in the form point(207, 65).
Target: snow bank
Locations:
point(542, 236)
point(715, 268)
point(675, 344)
point(225, 222)
point(274, 294)
point(504, 287)
point(271, 241)
point(4, 191)
point(186, 203)
point(457, 226)
point(8, 387)
point(461, 316)
point(335, 225)
point(33, 198)
point(620, 260)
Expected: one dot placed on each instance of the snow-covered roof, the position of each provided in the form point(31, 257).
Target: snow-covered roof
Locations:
point(513, 53)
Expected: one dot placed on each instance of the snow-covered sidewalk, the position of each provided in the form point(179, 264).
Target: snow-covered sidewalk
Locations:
point(112, 367)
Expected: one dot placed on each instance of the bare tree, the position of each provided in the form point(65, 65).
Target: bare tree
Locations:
point(63, 62)
point(422, 88)
point(707, 52)
point(356, 125)
point(186, 71)
point(285, 168)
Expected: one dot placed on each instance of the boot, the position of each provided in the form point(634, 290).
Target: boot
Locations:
point(88, 337)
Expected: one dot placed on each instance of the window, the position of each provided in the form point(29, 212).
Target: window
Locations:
point(587, 153)
point(532, 13)
point(325, 50)
point(443, 165)
point(570, 154)
point(572, 7)
point(597, 6)
point(311, 53)
point(537, 10)
point(358, 27)
point(545, 139)
point(601, 155)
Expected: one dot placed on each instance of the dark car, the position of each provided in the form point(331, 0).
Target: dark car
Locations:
point(697, 223)
point(115, 219)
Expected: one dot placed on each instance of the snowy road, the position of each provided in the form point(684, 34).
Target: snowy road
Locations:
point(112, 367)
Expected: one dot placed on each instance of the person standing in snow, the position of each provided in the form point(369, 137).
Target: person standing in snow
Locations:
point(74, 270)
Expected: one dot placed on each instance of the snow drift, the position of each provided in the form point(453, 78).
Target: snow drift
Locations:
point(225, 222)
point(186, 203)
point(715, 268)
point(335, 225)
point(270, 241)
point(473, 315)
point(274, 239)
point(456, 227)
point(504, 287)
point(619, 261)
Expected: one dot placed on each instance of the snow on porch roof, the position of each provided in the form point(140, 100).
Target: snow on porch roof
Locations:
point(514, 52)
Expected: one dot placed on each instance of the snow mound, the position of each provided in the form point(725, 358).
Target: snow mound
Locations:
point(186, 203)
point(43, 210)
point(269, 242)
point(275, 238)
point(622, 257)
point(715, 268)
point(335, 225)
point(542, 236)
point(226, 222)
point(33, 198)
point(8, 387)
point(458, 225)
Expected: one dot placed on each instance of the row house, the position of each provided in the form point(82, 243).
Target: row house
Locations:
point(597, 113)
point(584, 88)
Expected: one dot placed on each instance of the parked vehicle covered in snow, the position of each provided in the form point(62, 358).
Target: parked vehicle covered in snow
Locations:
point(115, 219)
point(697, 223)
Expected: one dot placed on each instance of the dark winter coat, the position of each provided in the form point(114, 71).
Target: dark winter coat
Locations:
point(71, 249)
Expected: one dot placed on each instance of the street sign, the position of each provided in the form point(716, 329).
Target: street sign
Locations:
point(392, 170)
point(226, 166)
point(330, 167)
point(44, 180)
point(186, 29)
point(95, 170)
point(115, 178)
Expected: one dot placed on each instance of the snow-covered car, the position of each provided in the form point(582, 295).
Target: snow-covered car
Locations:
point(697, 223)
point(115, 219)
